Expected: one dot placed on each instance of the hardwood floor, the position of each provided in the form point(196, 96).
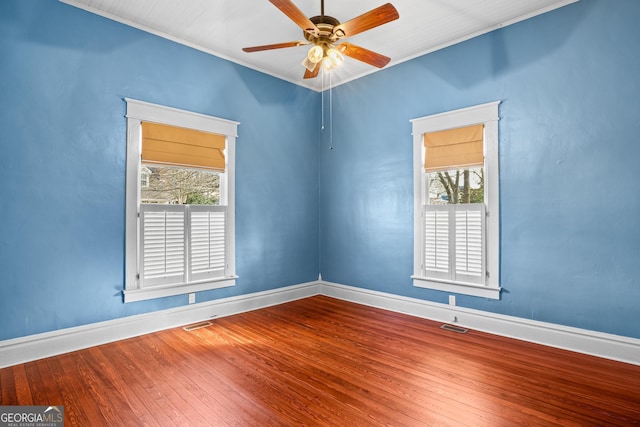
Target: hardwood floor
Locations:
point(322, 361)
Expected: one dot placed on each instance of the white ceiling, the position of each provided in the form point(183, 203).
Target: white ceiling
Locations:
point(224, 27)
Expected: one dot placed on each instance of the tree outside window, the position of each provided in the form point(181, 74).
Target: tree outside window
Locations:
point(456, 186)
point(179, 186)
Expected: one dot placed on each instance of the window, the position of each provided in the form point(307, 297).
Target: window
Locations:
point(145, 173)
point(180, 202)
point(456, 206)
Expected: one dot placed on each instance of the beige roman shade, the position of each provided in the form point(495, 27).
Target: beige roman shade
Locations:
point(171, 145)
point(454, 148)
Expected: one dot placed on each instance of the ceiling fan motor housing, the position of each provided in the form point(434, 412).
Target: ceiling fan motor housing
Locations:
point(325, 25)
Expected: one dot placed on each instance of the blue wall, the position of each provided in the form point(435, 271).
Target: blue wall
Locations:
point(63, 76)
point(569, 149)
point(569, 152)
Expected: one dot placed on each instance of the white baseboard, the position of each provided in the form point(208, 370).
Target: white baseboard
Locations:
point(33, 347)
point(608, 346)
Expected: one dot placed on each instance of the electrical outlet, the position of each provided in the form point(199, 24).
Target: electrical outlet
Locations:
point(192, 298)
point(452, 300)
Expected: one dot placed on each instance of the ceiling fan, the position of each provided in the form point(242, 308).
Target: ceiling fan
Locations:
point(325, 33)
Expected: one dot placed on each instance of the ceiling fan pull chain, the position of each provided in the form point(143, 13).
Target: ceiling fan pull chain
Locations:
point(322, 102)
point(330, 112)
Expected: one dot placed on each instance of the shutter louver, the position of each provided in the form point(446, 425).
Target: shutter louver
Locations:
point(207, 242)
point(436, 248)
point(163, 246)
point(469, 241)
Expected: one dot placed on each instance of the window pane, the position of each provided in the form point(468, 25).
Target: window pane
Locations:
point(456, 186)
point(180, 186)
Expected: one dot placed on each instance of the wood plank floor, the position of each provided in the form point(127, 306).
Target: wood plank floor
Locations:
point(326, 362)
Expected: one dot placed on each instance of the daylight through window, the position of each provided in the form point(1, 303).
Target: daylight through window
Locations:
point(180, 220)
point(455, 169)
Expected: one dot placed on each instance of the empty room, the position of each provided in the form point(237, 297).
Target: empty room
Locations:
point(309, 212)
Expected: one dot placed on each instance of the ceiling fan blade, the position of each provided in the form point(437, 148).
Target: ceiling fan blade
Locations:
point(291, 10)
point(364, 55)
point(375, 17)
point(273, 46)
point(311, 74)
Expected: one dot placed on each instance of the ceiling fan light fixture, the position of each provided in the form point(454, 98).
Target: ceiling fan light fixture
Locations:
point(333, 59)
point(315, 54)
point(335, 55)
point(308, 64)
point(328, 64)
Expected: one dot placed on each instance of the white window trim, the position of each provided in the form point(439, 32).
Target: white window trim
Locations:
point(486, 114)
point(137, 112)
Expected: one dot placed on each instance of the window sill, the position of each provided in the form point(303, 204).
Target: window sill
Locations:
point(133, 295)
point(457, 287)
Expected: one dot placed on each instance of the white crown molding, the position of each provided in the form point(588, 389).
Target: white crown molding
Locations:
point(310, 83)
point(33, 347)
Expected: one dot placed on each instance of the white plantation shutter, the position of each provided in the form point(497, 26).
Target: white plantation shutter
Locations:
point(469, 242)
point(454, 242)
point(162, 240)
point(180, 239)
point(436, 239)
point(207, 242)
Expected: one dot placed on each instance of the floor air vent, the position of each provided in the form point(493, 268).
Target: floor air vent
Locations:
point(454, 328)
point(195, 326)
